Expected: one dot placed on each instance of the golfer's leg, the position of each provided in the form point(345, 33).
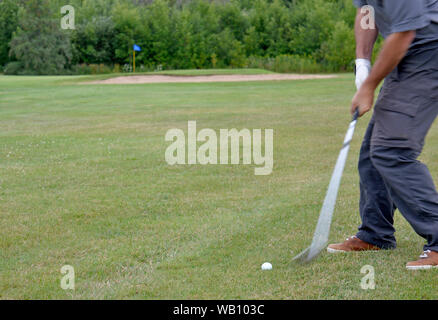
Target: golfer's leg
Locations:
point(376, 206)
point(412, 189)
point(398, 138)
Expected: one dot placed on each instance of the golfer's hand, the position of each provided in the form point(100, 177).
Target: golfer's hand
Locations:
point(363, 69)
point(363, 100)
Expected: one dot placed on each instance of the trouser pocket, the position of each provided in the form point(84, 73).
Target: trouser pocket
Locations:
point(403, 122)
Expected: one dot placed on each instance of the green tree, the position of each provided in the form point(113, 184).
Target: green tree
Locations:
point(156, 34)
point(338, 52)
point(230, 52)
point(257, 39)
point(313, 22)
point(39, 45)
point(8, 24)
point(278, 29)
point(93, 41)
point(280, 34)
point(127, 23)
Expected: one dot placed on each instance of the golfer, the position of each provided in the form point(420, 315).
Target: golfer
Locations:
point(390, 175)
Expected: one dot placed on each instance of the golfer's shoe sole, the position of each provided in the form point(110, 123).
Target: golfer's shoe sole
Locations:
point(331, 250)
point(426, 267)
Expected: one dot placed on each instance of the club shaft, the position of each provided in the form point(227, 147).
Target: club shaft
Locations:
point(322, 230)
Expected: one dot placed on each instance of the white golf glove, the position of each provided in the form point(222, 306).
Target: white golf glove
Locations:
point(363, 69)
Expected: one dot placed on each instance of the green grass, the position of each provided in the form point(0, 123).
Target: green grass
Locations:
point(83, 182)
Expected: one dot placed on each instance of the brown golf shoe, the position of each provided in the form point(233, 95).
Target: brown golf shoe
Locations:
point(351, 244)
point(428, 260)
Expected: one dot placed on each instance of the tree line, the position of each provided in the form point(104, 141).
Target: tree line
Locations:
point(281, 35)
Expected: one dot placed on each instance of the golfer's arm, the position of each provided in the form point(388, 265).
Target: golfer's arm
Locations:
point(393, 51)
point(365, 38)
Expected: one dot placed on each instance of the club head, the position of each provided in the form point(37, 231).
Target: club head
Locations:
point(302, 257)
point(313, 254)
point(308, 254)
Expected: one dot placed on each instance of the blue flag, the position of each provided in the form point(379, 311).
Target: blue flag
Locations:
point(137, 48)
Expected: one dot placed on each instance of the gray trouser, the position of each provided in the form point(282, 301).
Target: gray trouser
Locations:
point(390, 175)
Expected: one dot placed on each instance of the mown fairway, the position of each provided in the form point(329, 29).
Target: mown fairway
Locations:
point(83, 181)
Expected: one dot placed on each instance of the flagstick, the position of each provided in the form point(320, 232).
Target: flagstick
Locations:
point(134, 61)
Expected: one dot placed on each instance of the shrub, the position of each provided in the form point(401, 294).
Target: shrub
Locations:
point(83, 69)
point(116, 68)
point(286, 64)
point(13, 68)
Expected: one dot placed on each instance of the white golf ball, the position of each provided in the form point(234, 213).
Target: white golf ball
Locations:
point(266, 266)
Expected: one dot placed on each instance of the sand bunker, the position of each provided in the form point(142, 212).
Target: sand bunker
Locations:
point(211, 78)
